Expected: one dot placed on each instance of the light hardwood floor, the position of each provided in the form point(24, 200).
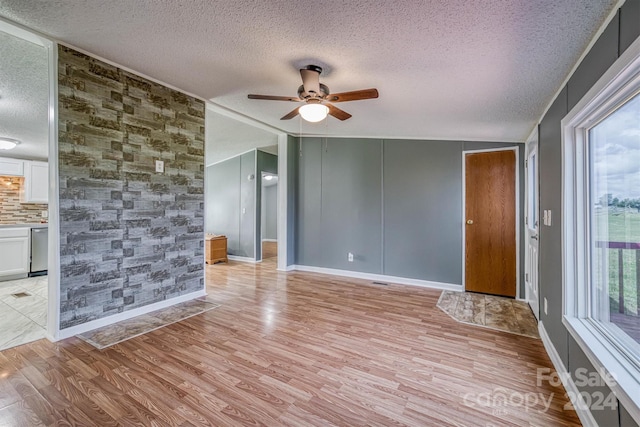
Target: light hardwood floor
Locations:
point(269, 249)
point(293, 349)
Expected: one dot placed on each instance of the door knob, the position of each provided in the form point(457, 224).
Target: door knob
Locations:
point(469, 221)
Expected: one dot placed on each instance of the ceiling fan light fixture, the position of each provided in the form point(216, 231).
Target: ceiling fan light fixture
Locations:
point(314, 112)
point(8, 143)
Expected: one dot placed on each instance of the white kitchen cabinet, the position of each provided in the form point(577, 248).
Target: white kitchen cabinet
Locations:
point(14, 251)
point(11, 167)
point(36, 182)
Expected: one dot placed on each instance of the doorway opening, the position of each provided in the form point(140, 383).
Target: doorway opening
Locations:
point(25, 105)
point(269, 217)
point(245, 192)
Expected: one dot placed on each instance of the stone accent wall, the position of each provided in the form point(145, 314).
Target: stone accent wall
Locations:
point(129, 236)
point(11, 210)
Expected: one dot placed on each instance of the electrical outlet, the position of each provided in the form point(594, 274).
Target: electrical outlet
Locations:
point(350, 257)
point(159, 166)
point(44, 214)
point(546, 306)
point(549, 223)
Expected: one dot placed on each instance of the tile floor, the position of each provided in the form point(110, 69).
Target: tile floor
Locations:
point(489, 311)
point(24, 319)
point(118, 332)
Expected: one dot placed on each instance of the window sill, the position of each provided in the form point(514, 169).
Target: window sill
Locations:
point(626, 386)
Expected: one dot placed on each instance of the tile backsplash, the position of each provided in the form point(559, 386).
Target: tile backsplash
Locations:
point(11, 210)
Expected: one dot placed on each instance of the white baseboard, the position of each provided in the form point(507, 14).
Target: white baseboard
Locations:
point(287, 268)
point(270, 240)
point(379, 277)
point(242, 259)
point(585, 415)
point(105, 321)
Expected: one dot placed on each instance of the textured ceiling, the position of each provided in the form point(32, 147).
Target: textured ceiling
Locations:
point(24, 97)
point(454, 69)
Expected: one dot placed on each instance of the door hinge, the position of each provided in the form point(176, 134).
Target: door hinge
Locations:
point(526, 277)
point(526, 221)
point(526, 163)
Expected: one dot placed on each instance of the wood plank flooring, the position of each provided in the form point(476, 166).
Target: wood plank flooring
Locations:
point(269, 249)
point(294, 349)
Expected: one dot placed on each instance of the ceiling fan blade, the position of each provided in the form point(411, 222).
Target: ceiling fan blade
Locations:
point(291, 115)
point(338, 113)
point(310, 80)
point(355, 95)
point(275, 98)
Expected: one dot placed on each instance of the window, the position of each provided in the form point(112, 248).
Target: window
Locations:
point(601, 226)
point(614, 217)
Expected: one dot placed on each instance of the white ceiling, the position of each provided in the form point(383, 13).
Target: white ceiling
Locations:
point(447, 69)
point(226, 138)
point(24, 97)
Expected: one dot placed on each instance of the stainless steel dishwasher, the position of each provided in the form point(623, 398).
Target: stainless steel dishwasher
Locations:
point(39, 251)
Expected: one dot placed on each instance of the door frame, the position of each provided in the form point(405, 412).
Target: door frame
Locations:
point(516, 149)
point(284, 263)
point(52, 331)
point(532, 141)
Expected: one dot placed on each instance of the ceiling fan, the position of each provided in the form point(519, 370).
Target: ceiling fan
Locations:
point(318, 98)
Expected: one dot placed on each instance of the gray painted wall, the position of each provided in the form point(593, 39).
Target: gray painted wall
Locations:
point(223, 202)
point(230, 201)
point(248, 205)
point(351, 195)
point(620, 33)
point(270, 212)
point(308, 233)
point(423, 206)
point(266, 162)
point(395, 204)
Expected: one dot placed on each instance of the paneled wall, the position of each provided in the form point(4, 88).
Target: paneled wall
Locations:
point(270, 212)
point(395, 204)
point(265, 162)
point(223, 202)
point(619, 34)
point(129, 236)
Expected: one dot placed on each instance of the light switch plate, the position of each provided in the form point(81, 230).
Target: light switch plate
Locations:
point(159, 166)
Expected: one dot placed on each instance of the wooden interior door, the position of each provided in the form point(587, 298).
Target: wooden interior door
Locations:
point(490, 223)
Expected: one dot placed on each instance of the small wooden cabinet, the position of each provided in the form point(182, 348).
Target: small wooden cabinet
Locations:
point(215, 249)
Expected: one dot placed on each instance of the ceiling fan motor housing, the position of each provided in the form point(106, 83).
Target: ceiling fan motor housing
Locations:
point(314, 68)
point(324, 91)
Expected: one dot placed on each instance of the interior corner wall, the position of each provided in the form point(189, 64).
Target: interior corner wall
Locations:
point(395, 204)
point(231, 202)
point(129, 236)
point(623, 30)
point(265, 162)
point(223, 202)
